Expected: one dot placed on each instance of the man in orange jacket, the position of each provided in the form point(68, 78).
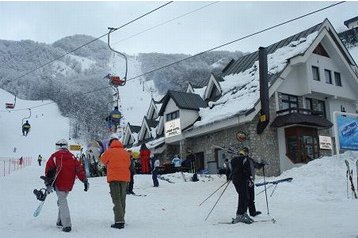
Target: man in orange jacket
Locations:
point(117, 161)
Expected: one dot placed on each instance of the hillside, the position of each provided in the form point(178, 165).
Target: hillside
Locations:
point(79, 77)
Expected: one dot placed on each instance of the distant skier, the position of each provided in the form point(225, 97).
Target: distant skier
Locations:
point(176, 162)
point(155, 163)
point(144, 156)
point(227, 167)
point(26, 128)
point(39, 159)
point(62, 167)
point(132, 173)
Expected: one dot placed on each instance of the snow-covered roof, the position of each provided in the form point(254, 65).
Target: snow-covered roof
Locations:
point(240, 90)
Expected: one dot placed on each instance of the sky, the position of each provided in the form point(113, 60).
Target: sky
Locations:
point(186, 27)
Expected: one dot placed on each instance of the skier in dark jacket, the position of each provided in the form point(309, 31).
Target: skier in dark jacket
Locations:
point(62, 168)
point(243, 172)
point(26, 128)
point(155, 163)
point(132, 173)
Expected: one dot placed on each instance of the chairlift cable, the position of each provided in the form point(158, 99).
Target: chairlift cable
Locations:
point(217, 47)
point(239, 39)
point(79, 47)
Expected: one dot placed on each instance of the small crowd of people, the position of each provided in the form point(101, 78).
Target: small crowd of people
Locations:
point(62, 168)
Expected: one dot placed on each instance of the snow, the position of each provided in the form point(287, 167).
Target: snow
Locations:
point(240, 92)
point(314, 204)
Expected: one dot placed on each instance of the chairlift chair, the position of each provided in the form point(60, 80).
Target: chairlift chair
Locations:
point(114, 80)
point(10, 105)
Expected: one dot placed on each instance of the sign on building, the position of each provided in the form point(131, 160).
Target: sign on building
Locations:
point(346, 130)
point(172, 128)
point(75, 147)
point(325, 142)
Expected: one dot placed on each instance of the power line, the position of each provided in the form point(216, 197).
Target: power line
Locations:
point(163, 23)
point(114, 29)
point(217, 47)
point(239, 39)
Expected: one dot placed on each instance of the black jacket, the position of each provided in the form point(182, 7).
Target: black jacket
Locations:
point(241, 171)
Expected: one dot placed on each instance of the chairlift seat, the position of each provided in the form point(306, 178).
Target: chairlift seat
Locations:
point(10, 105)
point(116, 81)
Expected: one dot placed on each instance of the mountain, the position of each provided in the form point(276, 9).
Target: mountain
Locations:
point(76, 81)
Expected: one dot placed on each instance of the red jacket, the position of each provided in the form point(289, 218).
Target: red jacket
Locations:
point(117, 161)
point(144, 154)
point(67, 166)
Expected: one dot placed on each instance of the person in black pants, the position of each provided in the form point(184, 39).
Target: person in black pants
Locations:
point(132, 171)
point(243, 172)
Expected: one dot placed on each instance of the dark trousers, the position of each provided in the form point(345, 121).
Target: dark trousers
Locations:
point(155, 177)
point(246, 198)
point(131, 183)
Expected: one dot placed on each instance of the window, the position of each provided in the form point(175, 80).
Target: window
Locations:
point(289, 101)
point(301, 144)
point(321, 107)
point(172, 115)
point(337, 79)
point(309, 104)
point(328, 76)
point(315, 73)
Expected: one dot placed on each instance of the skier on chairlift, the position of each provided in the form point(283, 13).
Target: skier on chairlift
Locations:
point(114, 119)
point(26, 128)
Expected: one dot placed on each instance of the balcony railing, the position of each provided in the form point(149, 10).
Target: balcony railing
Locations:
point(299, 110)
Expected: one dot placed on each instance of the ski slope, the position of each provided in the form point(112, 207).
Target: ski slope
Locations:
point(314, 204)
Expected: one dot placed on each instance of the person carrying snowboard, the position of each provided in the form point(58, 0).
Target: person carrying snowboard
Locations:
point(61, 170)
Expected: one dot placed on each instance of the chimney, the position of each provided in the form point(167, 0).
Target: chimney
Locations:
point(264, 117)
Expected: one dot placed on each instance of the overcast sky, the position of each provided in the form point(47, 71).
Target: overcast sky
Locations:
point(210, 24)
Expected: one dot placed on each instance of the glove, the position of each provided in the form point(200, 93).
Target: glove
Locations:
point(251, 183)
point(86, 184)
point(49, 189)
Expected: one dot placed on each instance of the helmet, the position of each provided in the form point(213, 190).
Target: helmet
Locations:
point(244, 151)
point(61, 144)
point(113, 136)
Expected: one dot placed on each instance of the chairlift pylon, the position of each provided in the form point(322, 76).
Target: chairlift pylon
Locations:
point(10, 105)
point(115, 80)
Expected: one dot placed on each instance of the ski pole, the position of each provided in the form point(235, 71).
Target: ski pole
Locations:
point(264, 189)
point(268, 211)
point(227, 184)
point(214, 192)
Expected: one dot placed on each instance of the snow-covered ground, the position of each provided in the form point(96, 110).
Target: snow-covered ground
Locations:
point(314, 204)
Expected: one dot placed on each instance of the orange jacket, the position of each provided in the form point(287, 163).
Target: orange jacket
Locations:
point(117, 161)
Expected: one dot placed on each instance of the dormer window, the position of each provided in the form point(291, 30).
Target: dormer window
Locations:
point(172, 115)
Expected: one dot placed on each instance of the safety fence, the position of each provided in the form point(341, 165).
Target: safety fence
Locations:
point(9, 165)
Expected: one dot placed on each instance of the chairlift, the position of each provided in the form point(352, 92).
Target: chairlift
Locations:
point(115, 80)
point(10, 105)
point(23, 119)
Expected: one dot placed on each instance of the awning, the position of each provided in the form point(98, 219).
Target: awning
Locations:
point(301, 119)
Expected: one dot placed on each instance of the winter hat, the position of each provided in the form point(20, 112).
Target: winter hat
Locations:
point(61, 144)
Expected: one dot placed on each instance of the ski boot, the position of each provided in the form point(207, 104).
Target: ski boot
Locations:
point(244, 218)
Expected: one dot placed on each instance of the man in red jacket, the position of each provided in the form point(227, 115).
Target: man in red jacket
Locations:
point(62, 168)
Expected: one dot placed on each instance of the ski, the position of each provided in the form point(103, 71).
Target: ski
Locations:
point(350, 175)
point(138, 195)
point(165, 179)
point(274, 182)
point(255, 221)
